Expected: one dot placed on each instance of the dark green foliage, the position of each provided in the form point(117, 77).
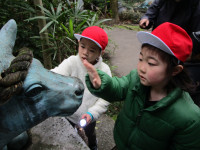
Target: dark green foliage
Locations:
point(19, 11)
point(101, 6)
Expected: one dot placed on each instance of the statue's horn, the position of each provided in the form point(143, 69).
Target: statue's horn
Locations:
point(7, 42)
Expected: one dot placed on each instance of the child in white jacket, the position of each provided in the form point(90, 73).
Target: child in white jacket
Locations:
point(92, 43)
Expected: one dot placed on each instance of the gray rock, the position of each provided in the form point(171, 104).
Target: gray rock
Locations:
point(104, 130)
point(56, 134)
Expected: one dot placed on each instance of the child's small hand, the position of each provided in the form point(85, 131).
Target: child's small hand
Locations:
point(87, 117)
point(94, 77)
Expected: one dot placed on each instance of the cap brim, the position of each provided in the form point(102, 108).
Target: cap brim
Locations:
point(78, 37)
point(148, 38)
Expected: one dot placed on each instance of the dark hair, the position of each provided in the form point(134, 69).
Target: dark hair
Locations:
point(181, 80)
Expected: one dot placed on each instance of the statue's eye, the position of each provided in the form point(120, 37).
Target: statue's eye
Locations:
point(34, 90)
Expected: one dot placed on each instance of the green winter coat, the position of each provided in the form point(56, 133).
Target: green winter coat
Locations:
point(173, 123)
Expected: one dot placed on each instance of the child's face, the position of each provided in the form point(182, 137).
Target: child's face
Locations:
point(151, 69)
point(88, 50)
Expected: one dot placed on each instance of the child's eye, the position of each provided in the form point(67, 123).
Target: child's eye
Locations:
point(152, 64)
point(140, 59)
point(82, 46)
point(92, 51)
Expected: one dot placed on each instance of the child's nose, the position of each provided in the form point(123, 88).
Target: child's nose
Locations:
point(142, 68)
point(86, 52)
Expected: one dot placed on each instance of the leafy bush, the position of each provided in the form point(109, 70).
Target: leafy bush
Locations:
point(101, 6)
point(19, 10)
point(131, 10)
point(130, 15)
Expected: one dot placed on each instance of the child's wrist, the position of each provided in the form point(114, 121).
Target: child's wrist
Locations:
point(90, 115)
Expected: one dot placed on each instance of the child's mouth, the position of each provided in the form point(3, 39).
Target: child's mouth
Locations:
point(142, 78)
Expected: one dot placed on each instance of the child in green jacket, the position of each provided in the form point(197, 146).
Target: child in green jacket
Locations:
point(158, 112)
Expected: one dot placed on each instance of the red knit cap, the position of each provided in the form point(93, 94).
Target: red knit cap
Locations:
point(96, 34)
point(170, 38)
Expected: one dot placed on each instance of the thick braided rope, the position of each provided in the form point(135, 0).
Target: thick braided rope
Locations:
point(11, 79)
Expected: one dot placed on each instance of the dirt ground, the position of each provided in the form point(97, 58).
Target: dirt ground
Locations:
point(126, 54)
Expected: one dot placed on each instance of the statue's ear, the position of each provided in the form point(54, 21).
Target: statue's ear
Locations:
point(177, 69)
point(8, 36)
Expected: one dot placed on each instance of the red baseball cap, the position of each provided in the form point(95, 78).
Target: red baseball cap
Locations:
point(96, 34)
point(170, 38)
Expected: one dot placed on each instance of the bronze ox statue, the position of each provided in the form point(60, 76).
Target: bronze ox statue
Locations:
point(44, 94)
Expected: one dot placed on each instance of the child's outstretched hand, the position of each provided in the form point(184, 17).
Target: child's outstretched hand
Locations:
point(94, 77)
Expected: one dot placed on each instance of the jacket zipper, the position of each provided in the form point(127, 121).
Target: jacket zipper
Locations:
point(139, 117)
point(137, 121)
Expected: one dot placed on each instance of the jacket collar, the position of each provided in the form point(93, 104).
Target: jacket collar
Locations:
point(172, 97)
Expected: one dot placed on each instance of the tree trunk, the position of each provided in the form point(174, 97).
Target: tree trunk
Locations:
point(105, 8)
point(114, 9)
point(44, 37)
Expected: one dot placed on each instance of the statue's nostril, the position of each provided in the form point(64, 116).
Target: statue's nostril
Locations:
point(3, 75)
point(79, 92)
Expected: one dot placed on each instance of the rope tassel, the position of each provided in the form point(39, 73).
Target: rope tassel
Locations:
point(11, 80)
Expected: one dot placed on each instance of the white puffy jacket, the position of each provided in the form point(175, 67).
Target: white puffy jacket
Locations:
point(74, 67)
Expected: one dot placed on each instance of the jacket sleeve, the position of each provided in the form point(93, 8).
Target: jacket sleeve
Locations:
point(189, 138)
point(101, 105)
point(152, 12)
point(112, 88)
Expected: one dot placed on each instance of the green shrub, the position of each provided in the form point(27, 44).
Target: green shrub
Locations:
point(130, 15)
point(20, 10)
